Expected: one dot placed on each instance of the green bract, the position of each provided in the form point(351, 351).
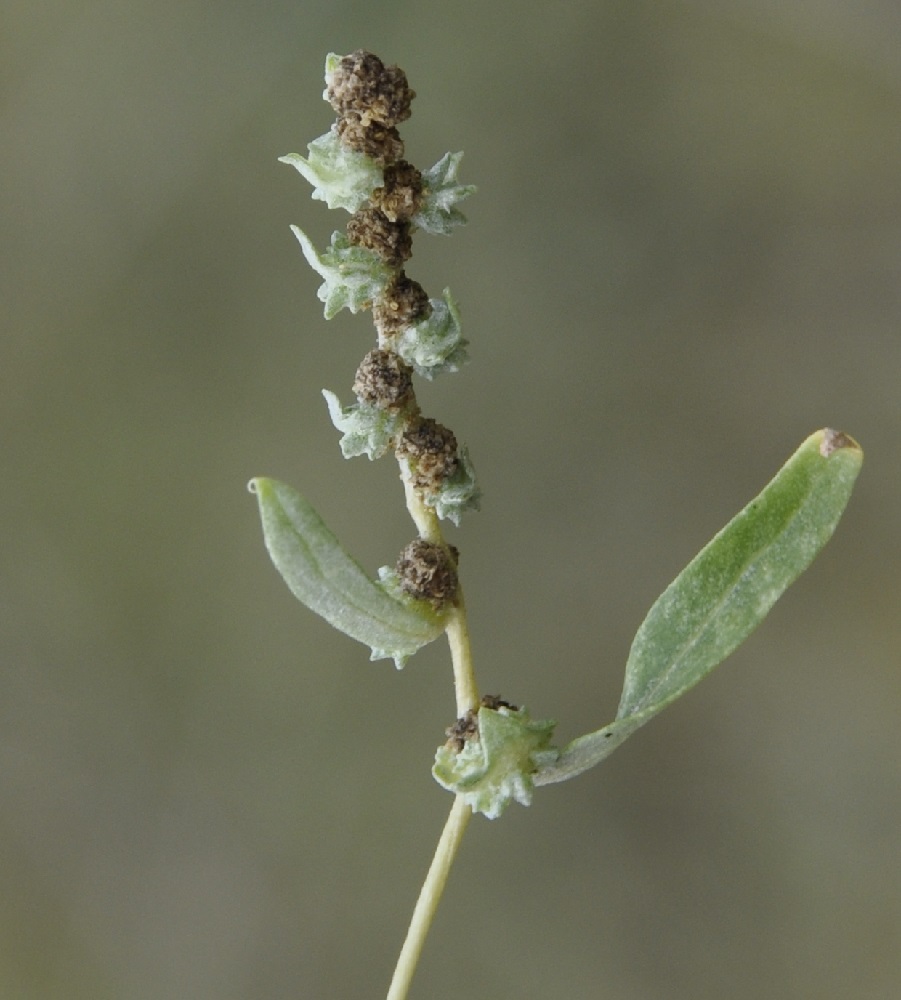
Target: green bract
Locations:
point(437, 214)
point(325, 578)
point(725, 591)
point(497, 765)
point(458, 493)
point(436, 345)
point(365, 430)
point(353, 275)
point(341, 177)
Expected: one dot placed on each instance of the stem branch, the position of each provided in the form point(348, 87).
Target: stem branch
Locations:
point(429, 896)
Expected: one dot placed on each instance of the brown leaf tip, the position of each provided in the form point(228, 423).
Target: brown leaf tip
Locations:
point(495, 702)
point(835, 441)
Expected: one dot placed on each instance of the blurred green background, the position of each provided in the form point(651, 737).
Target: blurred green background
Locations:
point(684, 256)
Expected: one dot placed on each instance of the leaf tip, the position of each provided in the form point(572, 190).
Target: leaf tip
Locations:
point(259, 485)
point(832, 441)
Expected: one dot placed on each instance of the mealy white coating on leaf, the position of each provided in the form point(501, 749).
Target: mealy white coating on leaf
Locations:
point(328, 581)
point(437, 213)
point(341, 177)
point(497, 768)
point(353, 276)
point(366, 430)
point(724, 592)
point(435, 346)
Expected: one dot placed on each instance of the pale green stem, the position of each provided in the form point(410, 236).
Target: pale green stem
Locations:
point(426, 521)
point(424, 517)
point(429, 896)
point(429, 527)
point(461, 654)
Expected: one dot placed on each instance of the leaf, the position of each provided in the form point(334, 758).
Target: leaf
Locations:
point(328, 581)
point(726, 590)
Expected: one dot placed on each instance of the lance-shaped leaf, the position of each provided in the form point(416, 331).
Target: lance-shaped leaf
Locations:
point(726, 591)
point(327, 580)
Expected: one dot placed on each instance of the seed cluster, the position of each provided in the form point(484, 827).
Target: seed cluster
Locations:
point(403, 303)
point(428, 572)
point(431, 450)
point(371, 100)
point(384, 380)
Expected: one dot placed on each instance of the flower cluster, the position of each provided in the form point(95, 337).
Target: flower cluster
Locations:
point(359, 166)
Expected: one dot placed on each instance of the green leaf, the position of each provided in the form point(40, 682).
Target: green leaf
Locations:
point(726, 590)
point(328, 581)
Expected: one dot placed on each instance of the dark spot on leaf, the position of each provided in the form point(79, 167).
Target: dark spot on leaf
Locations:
point(834, 441)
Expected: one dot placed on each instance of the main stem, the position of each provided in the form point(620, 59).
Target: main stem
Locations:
point(467, 700)
point(429, 527)
point(429, 897)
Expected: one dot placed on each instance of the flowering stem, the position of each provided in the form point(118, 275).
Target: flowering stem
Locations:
point(467, 697)
point(457, 629)
point(429, 897)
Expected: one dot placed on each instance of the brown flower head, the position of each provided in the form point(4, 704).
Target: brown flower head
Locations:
point(401, 194)
point(403, 303)
point(392, 241)
point(362, 86)
point(432, 452)
point(428, 572)
point(379, 142)
point(384, 380)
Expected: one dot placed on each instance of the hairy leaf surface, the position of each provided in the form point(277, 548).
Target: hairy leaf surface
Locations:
point(328, 581)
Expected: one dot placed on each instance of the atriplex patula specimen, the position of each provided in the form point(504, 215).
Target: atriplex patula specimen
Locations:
point(494, 752)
